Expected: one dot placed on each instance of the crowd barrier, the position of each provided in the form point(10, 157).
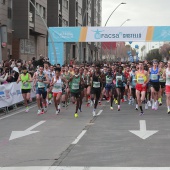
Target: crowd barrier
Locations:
point(10, 94)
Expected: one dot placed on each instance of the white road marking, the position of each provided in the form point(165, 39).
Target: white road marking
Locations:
point(83, 168)
point(100, 112)
point(20, 134)
point(4, 117)
point(79, 137)
point(143, 133)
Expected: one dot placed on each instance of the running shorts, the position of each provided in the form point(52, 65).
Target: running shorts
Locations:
point(140, 87)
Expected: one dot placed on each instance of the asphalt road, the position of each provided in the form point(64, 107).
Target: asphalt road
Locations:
point(62, 142)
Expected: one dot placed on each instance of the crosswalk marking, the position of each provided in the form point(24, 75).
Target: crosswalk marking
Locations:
point(82, 168)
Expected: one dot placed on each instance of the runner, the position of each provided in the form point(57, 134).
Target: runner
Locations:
point(75, 83)
point(57, 84)
point(142, 80)
point(132, 80)
point(109, 86)
point(155, 86)
point(162, 82)
point(120, 85)
point(166, 75)
point(26, 80)
point(41, 90)
point(96, 82)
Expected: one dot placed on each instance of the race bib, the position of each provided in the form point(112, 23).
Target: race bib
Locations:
point(41, 85)
point(108, 81)
point(25, 85)
point(57, 86)
point(119, 78)
point(154, 77)
point(141, 80)
point(161, 79)
point(75, 86)
point(96, 84)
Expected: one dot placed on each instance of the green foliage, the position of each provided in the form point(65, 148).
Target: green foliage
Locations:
point(154, 54)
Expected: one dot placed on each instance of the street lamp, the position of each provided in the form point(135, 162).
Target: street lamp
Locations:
point(122, 3)
point(114, 11)
point(124, 22)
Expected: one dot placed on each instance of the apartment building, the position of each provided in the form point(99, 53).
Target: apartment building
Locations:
point(5, 29)
point(30, 32)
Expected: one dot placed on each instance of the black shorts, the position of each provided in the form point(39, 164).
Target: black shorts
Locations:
point(155, 85)
point(76, 95)
point(162, 84)
point(122, 89)
point(42, 91)
point(25, 91)
point(96, 91)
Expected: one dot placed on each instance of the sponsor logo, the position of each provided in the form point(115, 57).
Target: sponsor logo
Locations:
point(65, 35)
point(99, 35)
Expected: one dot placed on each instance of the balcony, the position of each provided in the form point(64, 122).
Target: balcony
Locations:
point(31, 19)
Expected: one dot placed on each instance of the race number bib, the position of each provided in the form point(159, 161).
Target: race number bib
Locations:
point(41, 85)
point(25, 85)
point(75, 86)
point(96, 84)
point(108, 80)
point(57, 86)
point(141, 80)
point(154, 77)
point(119, 78)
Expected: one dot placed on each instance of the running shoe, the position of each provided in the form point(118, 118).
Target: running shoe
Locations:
point(57, 112)
point(149, 103)
point(168, 111)
point(94, 113)
point(130, 102)
point(27, 109)
point(141, 113)
point(88, 104)
point(146, 106)
point(116, 102)
point(76, 115)
point(122, 100)
point(156, 105)
point(45, 109)
point(111, 108)
point(50, 102)
point(39, 112)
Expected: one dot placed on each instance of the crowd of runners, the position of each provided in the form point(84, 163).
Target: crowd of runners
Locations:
point(138, 84)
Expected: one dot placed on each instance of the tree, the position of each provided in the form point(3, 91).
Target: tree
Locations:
point(154, 54)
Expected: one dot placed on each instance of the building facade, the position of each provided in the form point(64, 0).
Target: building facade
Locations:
point(76, 13)
point(5, 29)
point(30, 32)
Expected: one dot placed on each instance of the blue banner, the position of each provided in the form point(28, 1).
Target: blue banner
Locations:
point(64, 34)
point(59, 47)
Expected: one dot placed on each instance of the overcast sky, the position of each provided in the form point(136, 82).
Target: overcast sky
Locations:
point(141, 12)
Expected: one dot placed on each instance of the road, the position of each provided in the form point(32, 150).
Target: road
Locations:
point(62, 141)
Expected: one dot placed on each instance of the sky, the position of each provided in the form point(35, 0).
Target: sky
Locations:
point(140, 13)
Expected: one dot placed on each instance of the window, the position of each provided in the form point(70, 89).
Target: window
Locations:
point(9, 13)
point(37, 8)
point(79, 10)
point(41, 10)
point(2, 2)
point(65, 4)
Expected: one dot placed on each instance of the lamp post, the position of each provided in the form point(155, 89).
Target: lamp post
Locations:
point(124, 22)
point(55, 54)
point(122, 3)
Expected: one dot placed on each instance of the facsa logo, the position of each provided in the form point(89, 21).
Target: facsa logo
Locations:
point(97, 34)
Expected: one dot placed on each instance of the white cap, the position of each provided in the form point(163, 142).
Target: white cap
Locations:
point(16, 69)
